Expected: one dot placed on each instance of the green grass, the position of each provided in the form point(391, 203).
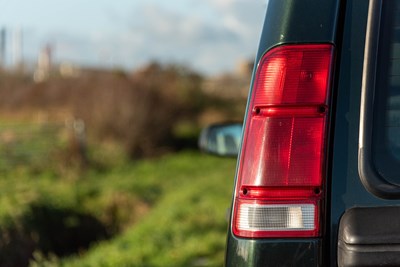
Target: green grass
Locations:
point(186, 227)
point(169, 211)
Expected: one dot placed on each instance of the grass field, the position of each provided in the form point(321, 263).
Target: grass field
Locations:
point(169, 211)
point(90, 174)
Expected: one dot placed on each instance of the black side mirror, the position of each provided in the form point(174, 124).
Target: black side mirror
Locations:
point(221, 139)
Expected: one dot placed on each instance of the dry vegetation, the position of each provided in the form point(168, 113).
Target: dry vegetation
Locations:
point(142, 111)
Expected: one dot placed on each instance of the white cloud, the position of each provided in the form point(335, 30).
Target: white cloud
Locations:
point(208, 35)
point(222, 33)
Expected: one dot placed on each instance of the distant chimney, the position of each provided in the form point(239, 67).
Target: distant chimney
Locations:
point(44, 64)
point(44, 60)
point(2, 47)
point(17, 49)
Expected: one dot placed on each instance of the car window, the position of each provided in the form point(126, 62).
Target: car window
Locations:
point(386, 126)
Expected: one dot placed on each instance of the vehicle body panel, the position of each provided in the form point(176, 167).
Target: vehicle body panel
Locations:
point(343, 24)
point(281, 26)
point(347, 190)
point(274, 252)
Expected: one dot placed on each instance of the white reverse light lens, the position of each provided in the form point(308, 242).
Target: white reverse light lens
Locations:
point(291, 217)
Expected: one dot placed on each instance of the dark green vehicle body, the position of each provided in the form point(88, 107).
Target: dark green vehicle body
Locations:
point(342, 23)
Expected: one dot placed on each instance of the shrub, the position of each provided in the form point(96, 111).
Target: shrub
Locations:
point(138, 111)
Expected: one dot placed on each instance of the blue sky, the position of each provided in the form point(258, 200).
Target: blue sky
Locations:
point(210, 36)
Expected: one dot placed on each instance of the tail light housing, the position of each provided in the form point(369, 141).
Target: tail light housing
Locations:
point(279, 189)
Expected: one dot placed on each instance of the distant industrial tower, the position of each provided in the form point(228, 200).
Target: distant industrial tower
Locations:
point(2, 48)
point(44, 59)
point(17, 49)
point(44, 64)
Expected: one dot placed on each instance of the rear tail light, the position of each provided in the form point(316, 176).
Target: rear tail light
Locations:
point(280, 177)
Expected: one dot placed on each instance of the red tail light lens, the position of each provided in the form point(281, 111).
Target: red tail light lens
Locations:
point(280, 177)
